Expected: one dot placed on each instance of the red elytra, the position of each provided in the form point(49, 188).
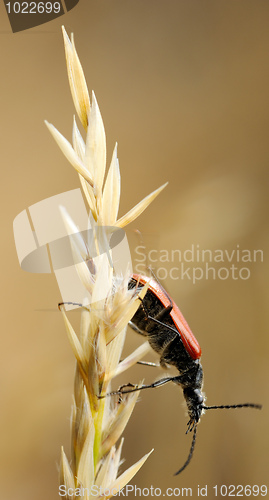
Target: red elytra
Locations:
point(190, 343)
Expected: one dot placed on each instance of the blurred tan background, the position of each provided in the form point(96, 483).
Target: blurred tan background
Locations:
point(183, 88)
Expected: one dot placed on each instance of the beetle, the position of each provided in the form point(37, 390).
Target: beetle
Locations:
point(159, 319)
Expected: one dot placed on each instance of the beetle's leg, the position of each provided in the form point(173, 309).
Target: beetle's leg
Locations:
point(135, 388)
point(148, 363)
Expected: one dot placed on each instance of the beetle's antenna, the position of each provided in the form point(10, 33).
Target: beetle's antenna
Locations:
point(190, 454)
point(227, 407)
point(215, 407)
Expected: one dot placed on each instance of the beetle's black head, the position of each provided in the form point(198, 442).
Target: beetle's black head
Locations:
point(194, 400)
point(195, 403)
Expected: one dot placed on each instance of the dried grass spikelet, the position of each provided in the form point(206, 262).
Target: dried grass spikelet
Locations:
point(97, 424)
